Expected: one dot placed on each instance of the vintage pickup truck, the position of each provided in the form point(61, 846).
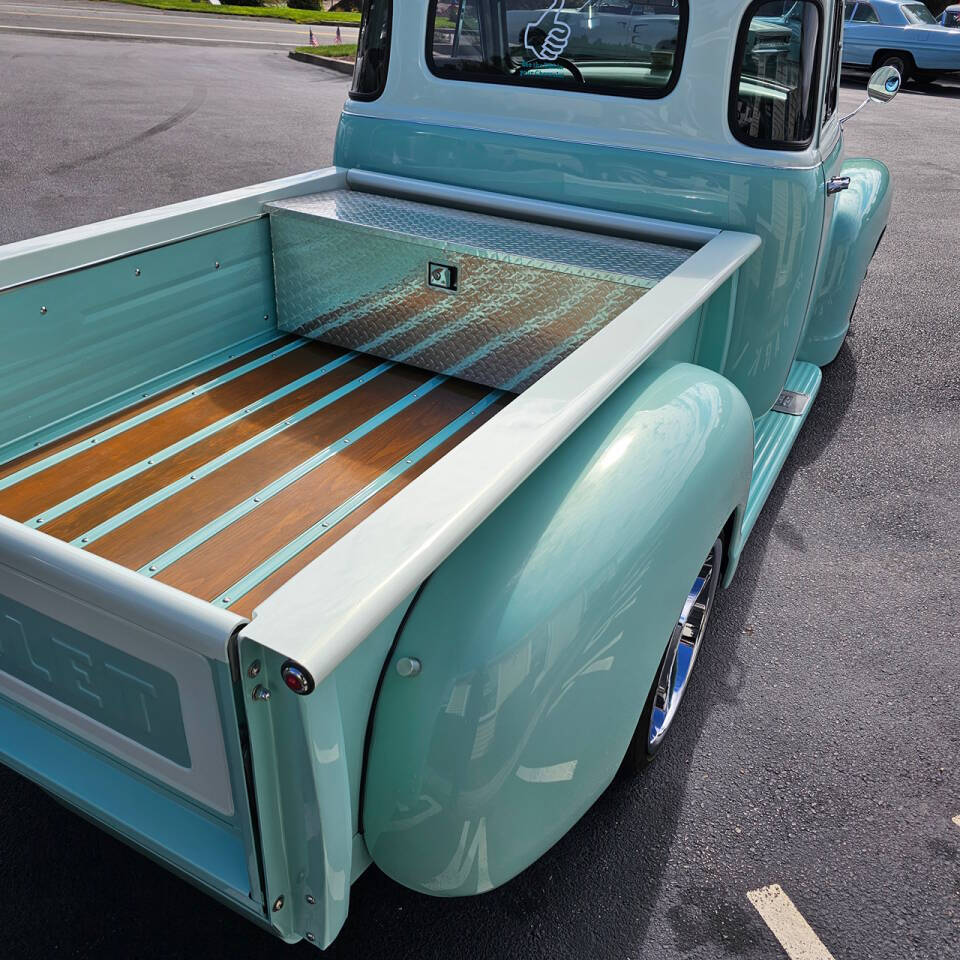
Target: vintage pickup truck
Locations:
point(376, 514)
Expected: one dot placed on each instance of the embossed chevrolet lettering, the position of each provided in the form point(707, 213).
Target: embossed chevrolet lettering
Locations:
point(130, 696)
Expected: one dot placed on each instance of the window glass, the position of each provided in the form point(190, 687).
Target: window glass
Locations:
point(373, 50)
point(848, 10)
point(865, 14)
point(917, 13)
point(598, 46)
point(833, 70)
point(774, 95)
point(951, 18)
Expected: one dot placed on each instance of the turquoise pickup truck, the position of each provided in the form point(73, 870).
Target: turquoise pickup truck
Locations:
point(375, 515)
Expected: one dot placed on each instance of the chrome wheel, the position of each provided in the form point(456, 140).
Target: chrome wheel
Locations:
point(683, 648)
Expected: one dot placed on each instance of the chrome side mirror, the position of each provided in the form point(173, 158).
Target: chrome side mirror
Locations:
point(883, 86)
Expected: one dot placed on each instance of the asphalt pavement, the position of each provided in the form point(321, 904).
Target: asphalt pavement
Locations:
point(81, 141)
point(818, 747)
point(83, 19)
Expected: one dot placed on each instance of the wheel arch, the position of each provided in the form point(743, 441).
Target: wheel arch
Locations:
point(540, 635)
point(882, 54)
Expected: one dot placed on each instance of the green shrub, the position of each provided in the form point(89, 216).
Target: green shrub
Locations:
point(305, 4)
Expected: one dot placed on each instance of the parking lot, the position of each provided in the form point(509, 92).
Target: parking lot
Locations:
point(819, 746)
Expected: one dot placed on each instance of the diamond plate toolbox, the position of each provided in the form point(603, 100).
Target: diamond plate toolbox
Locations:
point(489, 299)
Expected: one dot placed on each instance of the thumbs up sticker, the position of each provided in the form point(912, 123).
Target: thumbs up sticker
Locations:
point(548, 37)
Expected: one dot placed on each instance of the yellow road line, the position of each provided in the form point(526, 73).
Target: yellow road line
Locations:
point(787, 924)
point(211, 24)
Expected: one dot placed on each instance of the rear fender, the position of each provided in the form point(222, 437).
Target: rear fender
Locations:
point(860, 215)
point(539, 637)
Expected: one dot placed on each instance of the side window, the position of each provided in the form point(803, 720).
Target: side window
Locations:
point(773, 96)
point(605, 46)
point(865, 14)
point(373, 50)
point(848, 10)
point(831, 90)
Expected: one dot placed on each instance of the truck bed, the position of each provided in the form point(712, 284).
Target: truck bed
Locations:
point(229, 483)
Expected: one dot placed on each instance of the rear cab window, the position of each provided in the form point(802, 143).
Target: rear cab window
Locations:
point(598, 46)
point(776, 74)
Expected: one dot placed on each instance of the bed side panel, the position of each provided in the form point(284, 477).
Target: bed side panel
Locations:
point(79, 344)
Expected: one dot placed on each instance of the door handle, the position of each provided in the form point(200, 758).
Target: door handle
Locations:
point(836, 184)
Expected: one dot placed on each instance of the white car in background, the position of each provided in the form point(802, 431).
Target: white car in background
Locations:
point(951, 16)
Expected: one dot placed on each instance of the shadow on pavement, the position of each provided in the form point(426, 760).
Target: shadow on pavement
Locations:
point(944, 88)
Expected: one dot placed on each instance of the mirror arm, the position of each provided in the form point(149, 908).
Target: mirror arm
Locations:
point(849, 116)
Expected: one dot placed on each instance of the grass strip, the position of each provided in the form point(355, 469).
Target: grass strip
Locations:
point(266, 13)
point(348, 50)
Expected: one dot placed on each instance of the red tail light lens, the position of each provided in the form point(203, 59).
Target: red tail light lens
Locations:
point(297, 678)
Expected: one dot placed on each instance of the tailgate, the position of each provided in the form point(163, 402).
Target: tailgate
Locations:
point(116, 696)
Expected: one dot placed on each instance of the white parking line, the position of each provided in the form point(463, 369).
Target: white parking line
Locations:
point(110, 35)
point(209, 23)
point(787, 924)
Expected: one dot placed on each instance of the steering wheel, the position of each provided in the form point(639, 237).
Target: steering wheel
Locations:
point(572, 68)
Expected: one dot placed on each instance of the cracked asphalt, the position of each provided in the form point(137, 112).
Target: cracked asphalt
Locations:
point(819, 744)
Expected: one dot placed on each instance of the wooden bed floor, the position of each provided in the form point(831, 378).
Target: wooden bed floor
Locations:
point(228, 484)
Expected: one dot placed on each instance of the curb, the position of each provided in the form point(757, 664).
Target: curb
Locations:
point(342, 66)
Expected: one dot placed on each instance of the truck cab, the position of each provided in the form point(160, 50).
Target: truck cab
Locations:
point(733, 128)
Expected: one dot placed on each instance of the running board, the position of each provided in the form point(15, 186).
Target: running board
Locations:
point(774, 434)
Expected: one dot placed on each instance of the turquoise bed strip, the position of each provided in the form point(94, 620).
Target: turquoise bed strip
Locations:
point(108, 483)
point(322, 526)
point(146, 415)
point(147, 503)
point(231, 516)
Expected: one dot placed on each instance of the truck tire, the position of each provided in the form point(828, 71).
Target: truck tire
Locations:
point(895, 58)
point(676, 666)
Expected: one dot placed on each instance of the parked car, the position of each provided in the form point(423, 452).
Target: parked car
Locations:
point(902, 35)
point(951, 16)
point(376, 514)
